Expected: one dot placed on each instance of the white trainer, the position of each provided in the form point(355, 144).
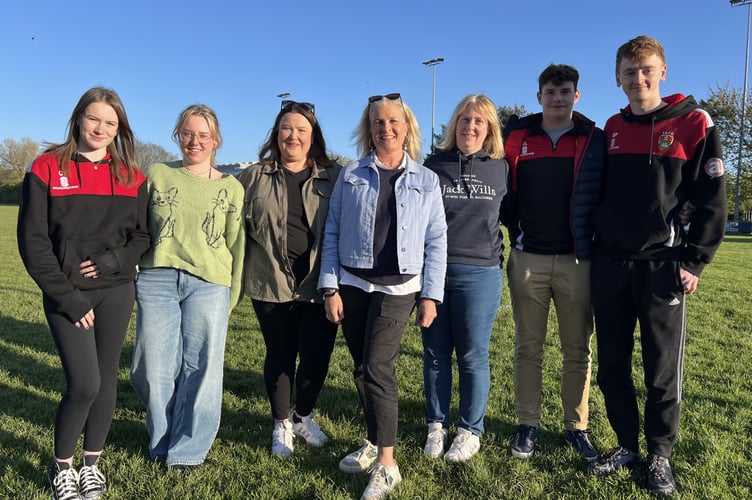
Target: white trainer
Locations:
point(361, 459)
point(282, 436)
point(436, 440)
point(384, 478)
point(465, 445)
point(309, 430)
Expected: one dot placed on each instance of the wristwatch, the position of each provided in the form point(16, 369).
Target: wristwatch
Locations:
point(328, 292)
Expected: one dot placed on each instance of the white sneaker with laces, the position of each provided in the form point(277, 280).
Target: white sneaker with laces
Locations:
point(282, 436)
point(361, 459)
point(91, 481)
point(436, 440)
point(465, 445)
point(309, 430)
point(384, 478)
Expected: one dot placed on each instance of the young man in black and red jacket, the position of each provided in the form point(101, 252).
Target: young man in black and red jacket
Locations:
point(556, 160)
point(661, 153)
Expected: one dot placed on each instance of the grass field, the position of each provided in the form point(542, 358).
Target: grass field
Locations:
point(711, 460)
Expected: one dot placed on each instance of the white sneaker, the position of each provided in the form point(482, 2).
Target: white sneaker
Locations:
point(309, 430)
point(282, 439)
point(436, 440)
point(384, 478)
point(361, 459)
point(465, 445)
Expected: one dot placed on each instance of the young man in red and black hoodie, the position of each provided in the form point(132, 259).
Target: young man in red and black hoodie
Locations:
point(661, 153)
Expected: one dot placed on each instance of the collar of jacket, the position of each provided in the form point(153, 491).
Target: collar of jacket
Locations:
point(582, 124)
point(677, 104)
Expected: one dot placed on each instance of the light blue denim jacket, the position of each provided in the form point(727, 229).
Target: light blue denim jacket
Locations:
point(421, 233)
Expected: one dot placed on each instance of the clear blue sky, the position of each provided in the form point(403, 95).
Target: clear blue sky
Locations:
point(236, 56)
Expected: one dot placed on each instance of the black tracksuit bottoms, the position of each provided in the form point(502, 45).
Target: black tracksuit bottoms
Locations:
point(623, 293)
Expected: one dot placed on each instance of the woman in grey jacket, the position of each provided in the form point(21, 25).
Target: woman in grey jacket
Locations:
point(286, 202)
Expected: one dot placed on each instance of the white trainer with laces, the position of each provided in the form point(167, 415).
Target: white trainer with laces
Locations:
point(309, 430)
point(91, 481)
point(384, 478)
point(282, 437)
point(465, 445)
point(361, 459)
point(436, 440)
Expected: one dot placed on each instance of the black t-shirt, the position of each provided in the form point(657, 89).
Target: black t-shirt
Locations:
point(299, 235)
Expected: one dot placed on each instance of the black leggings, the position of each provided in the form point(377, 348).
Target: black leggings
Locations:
point(90, 359)
point(293, 329)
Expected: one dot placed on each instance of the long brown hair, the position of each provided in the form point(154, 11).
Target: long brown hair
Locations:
point(270, 152)
point(123, 166)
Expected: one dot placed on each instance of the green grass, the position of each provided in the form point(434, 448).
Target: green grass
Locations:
point(711, 460)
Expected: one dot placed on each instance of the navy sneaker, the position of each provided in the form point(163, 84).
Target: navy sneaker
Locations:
point(523, 441)
point(660, 479)
point(580, 442)
point(612, 460)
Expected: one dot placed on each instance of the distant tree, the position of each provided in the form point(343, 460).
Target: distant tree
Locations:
point(148, 153)
point(15, 158)
point(725, 107)
point(340, 159)
point(505, 112)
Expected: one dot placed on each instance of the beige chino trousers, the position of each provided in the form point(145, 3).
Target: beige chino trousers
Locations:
point(534, 280)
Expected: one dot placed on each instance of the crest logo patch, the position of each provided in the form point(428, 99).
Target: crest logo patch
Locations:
point(714, 167)
point(665, 140)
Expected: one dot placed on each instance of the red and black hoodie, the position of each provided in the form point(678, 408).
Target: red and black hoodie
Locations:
point(655, 163)
point(65, 219)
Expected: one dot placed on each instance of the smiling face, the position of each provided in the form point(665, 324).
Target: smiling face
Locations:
point(472, 130)
point(98, 127)
point(196, 141)
point(294, 140)
point(388, 128)
point(558, 102)
point(640, 80)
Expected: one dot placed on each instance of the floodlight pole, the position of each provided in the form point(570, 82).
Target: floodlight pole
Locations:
point(434, 63)
point(285, 95)
point(738, 194)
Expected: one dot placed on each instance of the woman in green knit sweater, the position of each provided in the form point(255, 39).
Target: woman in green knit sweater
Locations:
point(188, 283)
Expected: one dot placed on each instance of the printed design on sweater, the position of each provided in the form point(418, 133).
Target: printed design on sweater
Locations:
point(160, 200)
point(213, 230)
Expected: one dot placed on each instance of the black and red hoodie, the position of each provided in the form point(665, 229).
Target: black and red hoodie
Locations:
point(65, 219)
point(655, 163)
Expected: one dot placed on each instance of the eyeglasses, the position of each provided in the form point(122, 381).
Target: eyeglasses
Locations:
point(391, 97)
point(187, 137)
point(287, 105)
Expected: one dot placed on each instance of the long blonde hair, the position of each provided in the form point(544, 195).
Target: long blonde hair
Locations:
point(493, 144)
point(362, 134)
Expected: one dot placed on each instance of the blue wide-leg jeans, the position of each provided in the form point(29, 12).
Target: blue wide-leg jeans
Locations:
point(178, 361)
point(464, 323)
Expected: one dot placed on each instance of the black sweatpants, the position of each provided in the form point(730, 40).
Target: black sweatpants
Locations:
point(90, 360)
point(624, 292)
point(373, 327)
point(292, 330)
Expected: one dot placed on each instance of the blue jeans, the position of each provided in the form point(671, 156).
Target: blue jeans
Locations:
point(178, 361)
point(463, 324)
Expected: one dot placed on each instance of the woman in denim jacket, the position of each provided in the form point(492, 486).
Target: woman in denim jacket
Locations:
point(384, 249)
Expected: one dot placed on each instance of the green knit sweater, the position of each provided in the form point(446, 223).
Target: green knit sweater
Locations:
point(196, 225)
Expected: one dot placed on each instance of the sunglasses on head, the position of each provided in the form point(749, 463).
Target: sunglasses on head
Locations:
point(393, 96)
point(287, 105)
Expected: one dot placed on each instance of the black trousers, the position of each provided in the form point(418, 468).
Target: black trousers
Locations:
point(292, 330)
point(90, 360)
point(624, 292)
point(373, 327)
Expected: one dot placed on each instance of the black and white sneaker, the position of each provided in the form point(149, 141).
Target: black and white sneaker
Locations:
point(64, 482)
point(612, 460)
point(660, 479)
point(523, 441)
point(92, 482)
